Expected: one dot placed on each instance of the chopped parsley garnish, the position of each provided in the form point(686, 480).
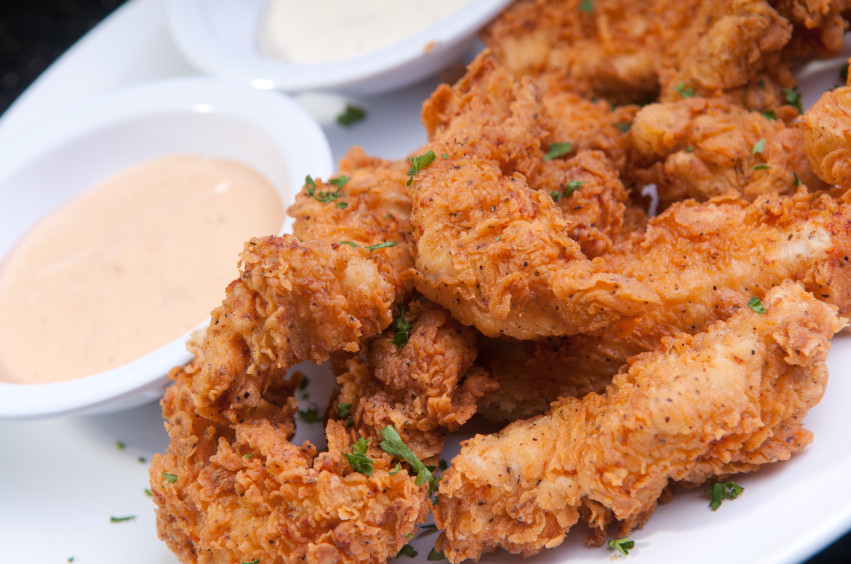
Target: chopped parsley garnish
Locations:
point(149, 493)
point(795, 180)
point(70, 559)
point(120, 445)
point(442, 464)
point(343, 409)
point(419, 163)
point(352, 114)
point(381, 246)
point(569, 189)
point(142, 459)
point(760, 166)
point(793, 98)
point(690, 149)
point(624, 127)
point(349, 243)
point(557, 150)
point(722, 491)
point(320, 196)
point(358, 460)
point(342, 205)
point(339, 181)
point(401, 328)
point(445, 155)
point(302, 384)
point(310, 415)
point(769, 114)
point(121, 519)
point(755, 304)
point(407, 550)
point(683, 91)
point(395, 469)
point(170, 478)
point(758, 147)
point(256, 561)
point(586, 6)
point(394, 446)
point(622, 546)
point(435, 555)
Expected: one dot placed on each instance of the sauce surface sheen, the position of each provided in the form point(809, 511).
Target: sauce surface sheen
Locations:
point(128, 265)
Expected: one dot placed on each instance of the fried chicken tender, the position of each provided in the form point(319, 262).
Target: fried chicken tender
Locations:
point(423, 387)
point(724, 401)
point(240, 492)
point(495, 251)
point(633, 52)
point(827, 136)
point(307, 295)
point(700, 148)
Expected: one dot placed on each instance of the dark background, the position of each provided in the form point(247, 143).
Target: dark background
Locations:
point(33, 33)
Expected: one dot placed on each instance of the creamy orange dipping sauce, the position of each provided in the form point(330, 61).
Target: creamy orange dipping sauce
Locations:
point(128, 266)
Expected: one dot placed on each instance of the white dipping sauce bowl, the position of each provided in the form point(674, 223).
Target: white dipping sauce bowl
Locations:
point(51, 164)
point(218, 37)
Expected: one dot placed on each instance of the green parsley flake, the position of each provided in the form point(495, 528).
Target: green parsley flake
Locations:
point(690, 149)
point(445, 155)
point(569, 189)
point(352, 114)
point(769, 114)
point(795, 180)
point(624, 127)
point(755, 304)
point(149, 493)
point(394, 446)
point(349, 243)
point(142, 459)
point(70, 559)
point(339, 181)
point(435, 555)
point(325, 197)
point(343, 409)
point(758, 147)
point(793, 98)
point(401, 328)
point(760, 166)
point(557, 150)
point(310, 415)
point(121, 519)
point(395, 469)
point(683, 91)
point(407, 550)
point(169, 478)
point(302, 384)
point(342, 205)
point(358, 460)
point(120, 445)
point(256, 561)
point(381, 246)
point(419, 163)
point(722, 491)
point(622, 546)
point(586, 6)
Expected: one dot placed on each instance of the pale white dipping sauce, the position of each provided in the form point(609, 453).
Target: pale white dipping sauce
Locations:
point(128, 266)
point(319, 31)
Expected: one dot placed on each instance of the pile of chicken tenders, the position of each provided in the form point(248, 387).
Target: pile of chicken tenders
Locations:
point(510, 269)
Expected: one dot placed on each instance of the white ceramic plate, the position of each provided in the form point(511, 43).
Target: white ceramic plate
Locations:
point(218, 36)
point(51, 163)
point(62, 479)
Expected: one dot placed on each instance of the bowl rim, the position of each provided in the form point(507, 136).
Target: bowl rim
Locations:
point(198, 95)
point(206, 50)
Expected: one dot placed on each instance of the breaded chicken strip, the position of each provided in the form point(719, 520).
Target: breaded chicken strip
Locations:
point(700, 148)
point(418, 378)
point(635, 52)
point(827, 136)
point(241, 492)
point(326, 288)
point(697, 407)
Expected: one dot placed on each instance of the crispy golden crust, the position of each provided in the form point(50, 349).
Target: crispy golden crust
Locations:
point(242, 492)
point(827, 136)
point(633, 52)
point(723, 401)
point(701, 148)
point(422, 388)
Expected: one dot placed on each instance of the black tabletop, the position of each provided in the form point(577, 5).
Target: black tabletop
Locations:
point(33, 33)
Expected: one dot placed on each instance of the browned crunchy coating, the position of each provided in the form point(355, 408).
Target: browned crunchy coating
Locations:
point(723, 401)
point(827, 136)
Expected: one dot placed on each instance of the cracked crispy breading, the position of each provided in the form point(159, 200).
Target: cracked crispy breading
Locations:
point(827, 136)
point(424, 388)
point(701, 148)
point(239, 492)
point(697, 407)
point(634, 52)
